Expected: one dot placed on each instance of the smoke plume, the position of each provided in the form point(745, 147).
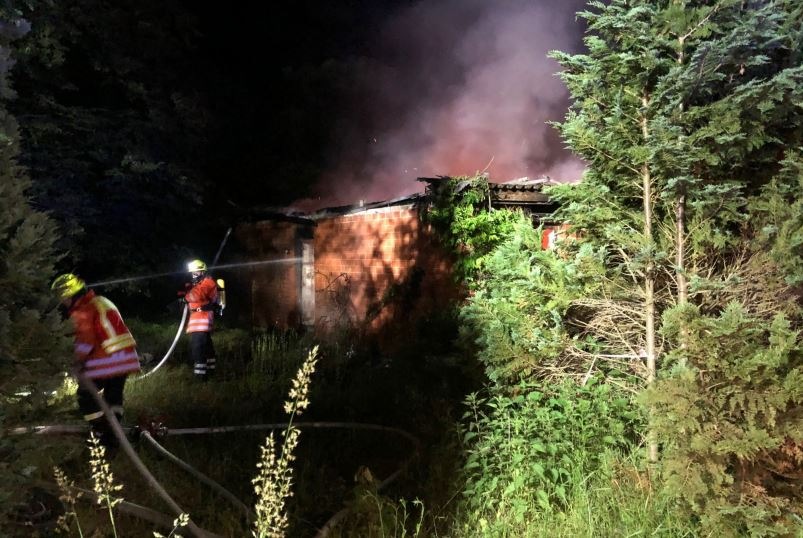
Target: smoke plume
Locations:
point(455, 87)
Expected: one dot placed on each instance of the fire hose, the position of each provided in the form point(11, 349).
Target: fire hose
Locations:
point(322, 532)
point(184, 316)
point(199, 475)
point(117, 429)
point(172, 346)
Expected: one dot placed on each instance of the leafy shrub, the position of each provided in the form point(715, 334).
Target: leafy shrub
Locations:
point(616, 499)
point(516, 315)
point(460, 217)
point(525, 451)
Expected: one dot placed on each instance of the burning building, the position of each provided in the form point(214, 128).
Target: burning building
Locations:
point(361, 265)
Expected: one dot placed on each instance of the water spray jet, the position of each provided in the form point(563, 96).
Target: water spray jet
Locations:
point(211, 268)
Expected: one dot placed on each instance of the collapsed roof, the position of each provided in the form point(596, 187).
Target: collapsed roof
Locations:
point(524, 193)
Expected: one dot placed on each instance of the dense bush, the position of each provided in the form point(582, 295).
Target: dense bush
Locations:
point(516, 315)
point(459, 214)
point(730, 415)
point(34, 348)
point(526, 452)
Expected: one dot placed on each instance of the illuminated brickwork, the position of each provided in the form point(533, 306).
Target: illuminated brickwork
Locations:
point(373, 264)
point(370, 267)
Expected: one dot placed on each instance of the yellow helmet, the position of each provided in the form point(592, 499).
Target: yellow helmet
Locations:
point(195, 266)
point(67, 286)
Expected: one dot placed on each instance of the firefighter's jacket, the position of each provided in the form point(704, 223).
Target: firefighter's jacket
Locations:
point(202, 300)
point(104, 346)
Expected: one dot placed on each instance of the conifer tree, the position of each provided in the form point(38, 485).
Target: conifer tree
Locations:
point(116, 132)
point(33, 345)
point(688, 115)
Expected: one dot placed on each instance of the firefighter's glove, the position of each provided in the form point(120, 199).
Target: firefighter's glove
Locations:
point(209, 307)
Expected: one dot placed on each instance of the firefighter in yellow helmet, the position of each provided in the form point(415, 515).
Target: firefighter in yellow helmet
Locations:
point(105, 351)
point(203, 300)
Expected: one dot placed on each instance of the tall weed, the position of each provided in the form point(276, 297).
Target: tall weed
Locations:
point(376, 516)
point(273, 483)
point(614, 500)
point(526, 452)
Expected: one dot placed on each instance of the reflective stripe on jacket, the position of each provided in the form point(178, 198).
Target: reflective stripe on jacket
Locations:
point(104, 346)
point(202, 294)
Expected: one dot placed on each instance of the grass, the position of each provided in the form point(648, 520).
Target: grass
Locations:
point(616, 501)
point(417, 391)
point(251, 389)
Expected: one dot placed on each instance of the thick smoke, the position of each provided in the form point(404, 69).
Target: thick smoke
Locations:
point(455, 87)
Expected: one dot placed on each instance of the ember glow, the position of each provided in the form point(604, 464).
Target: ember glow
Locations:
point(455, 87)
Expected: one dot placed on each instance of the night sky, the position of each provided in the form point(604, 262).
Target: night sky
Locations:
point(321, 103)
point(275, 75)
point(150, 127)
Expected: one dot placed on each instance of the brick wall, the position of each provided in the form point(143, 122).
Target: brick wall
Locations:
point(274, 288)
point(372, 268)
point(376, 266)
point(552, 233)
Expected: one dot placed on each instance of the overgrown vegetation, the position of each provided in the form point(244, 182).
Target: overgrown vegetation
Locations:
point(348, 387)
point(459, 212)
point(530, 447)
point(553, 424)
point(677, 284)
point(33, 346)
point(672, 279)
point(685, 171)
point(643, 378)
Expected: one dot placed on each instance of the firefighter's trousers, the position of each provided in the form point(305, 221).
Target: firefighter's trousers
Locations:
point(111, 389)
point(202, 354)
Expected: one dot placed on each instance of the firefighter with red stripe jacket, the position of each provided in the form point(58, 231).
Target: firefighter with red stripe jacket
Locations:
point(203, 300)
point(105, 351)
